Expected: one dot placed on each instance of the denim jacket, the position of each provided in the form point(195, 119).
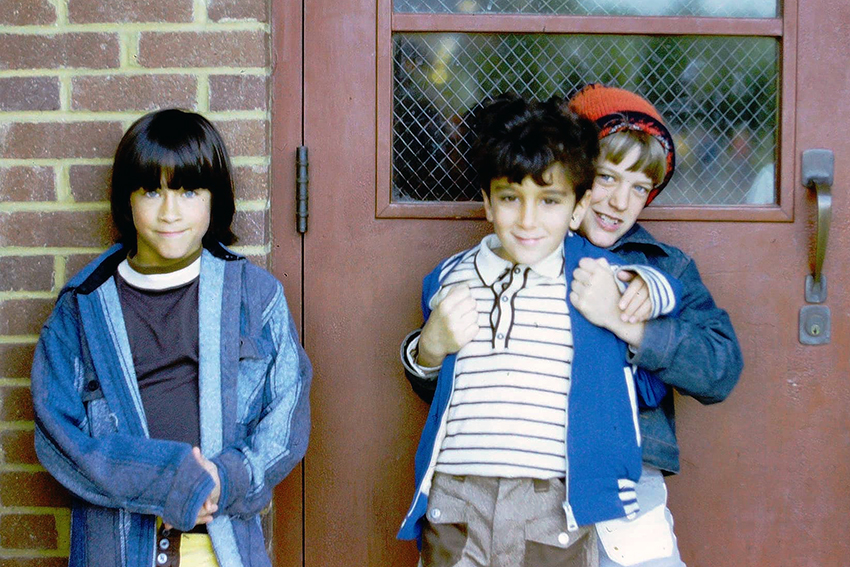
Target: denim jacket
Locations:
point(91, 431)
point(696, 352)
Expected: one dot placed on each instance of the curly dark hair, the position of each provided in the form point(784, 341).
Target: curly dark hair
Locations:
point(517, 138)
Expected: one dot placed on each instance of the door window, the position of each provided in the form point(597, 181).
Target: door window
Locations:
point(720, 94)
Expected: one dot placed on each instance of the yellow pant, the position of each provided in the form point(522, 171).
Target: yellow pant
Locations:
point(196, 550)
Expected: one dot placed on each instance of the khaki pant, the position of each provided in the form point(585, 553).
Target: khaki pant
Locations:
point(502, 522)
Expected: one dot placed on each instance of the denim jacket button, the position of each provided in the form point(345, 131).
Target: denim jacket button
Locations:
point(162, 559)
point(163, 544)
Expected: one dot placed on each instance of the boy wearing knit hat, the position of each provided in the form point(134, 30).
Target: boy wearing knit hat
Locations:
point(696, 352)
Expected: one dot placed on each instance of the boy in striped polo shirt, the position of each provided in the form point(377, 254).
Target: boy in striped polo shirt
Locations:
point(532, 434)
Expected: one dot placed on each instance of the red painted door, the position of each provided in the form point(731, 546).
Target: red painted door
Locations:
point(764, 475)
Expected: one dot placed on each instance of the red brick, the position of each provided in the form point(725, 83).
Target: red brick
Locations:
point(26, 140)
point(24, 316)
point(28, 531)
point(75, 263)
point(218, 10)
point(90, 182)
point(251, 227)
point(133, 92)
point(16, 360)
point(24, 183)
point(238, 92)
point(60, 228)
point(251, 182)
point(203, 49)
point(29, 273)
point(244, 137)
point(31, 489)
point(52, 51)
point(26, 12)
point(18, 446)
point(91, 11)
point(29, 93)
point(15, 403)
point(34, 562)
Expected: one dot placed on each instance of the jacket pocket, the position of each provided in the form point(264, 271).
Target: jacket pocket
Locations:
point(256, 356)
point(101, 420)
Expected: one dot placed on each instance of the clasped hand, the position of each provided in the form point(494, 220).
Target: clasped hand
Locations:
point(210, 506)
point(452, 324)
point(594, 293)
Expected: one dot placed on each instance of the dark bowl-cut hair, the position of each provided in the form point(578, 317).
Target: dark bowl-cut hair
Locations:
point(517, 138)
point(187, 149)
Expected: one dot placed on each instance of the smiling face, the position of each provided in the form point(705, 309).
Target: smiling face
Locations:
point(170, 224)
point(616, 199)
point(532, 220)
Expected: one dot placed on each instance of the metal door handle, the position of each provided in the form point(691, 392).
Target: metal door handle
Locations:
point(817, 172)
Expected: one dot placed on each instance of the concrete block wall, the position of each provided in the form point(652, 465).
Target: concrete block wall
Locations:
point(73, 75)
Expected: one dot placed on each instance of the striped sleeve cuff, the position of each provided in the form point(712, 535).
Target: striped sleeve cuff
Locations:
point(660, 290)
point(628, 496)
point(409, 353)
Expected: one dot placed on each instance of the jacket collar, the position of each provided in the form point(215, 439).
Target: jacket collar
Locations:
point(104, 267)
point(638, 237)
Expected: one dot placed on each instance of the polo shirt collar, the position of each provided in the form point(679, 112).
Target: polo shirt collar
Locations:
point(491, 267)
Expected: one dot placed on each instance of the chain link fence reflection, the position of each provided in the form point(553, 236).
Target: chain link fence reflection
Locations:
point(719, 96)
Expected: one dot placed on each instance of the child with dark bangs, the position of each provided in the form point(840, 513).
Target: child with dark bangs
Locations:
point(169, 384)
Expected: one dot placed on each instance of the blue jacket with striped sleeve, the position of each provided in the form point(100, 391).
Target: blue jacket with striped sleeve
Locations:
point(91, 430)
point(603, 439)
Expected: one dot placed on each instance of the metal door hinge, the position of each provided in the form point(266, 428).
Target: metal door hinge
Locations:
point(302, 188)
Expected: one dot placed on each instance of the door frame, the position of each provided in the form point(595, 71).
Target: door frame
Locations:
point(286, 542)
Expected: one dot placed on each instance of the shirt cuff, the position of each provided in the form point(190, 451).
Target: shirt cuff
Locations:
point(409, 354)
point(234, 477)
point(660, 291)
point(658, 344)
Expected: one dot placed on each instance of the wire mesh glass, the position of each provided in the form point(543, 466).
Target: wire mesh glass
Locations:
point(719, 96)
point(711, 8)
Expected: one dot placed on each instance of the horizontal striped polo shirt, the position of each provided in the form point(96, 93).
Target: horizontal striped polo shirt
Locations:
point(507, 416)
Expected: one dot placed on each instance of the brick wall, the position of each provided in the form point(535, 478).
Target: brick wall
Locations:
point(73, 75)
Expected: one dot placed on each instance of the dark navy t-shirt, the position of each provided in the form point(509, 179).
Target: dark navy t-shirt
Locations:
point(162, 327)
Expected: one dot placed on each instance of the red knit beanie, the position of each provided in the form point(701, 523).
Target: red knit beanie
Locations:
point(616, 109)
